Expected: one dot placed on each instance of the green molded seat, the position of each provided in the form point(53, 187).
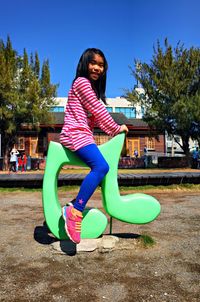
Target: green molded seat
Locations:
point(134, 208)
point(58, 156)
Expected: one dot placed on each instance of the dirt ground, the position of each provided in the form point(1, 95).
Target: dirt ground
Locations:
point(31, 270)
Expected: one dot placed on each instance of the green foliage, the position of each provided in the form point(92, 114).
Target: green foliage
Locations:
point(147, 241)
point(25, 94)
point(172, 91)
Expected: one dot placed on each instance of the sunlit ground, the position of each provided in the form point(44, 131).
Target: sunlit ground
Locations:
point(121, 171)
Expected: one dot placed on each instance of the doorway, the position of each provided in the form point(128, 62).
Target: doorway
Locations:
point(132, 144)
point(34, 147)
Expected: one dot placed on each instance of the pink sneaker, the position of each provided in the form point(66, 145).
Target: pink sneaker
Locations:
point(72, 223)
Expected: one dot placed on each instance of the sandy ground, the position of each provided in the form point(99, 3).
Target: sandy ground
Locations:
point(31, 270)
point(75, 170)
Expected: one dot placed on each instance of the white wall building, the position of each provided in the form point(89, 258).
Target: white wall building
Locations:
point(60, 103)
point(118, 104)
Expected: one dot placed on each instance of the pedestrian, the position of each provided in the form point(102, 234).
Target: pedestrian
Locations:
point(24, 162)
point(84, 109)
point(136, 153)
point(145, 156)
point(20, 162)
point(195, 158)
point(13, 160)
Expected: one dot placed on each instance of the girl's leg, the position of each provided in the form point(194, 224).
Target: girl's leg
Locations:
point(99, 168)
point(13, 167)
point(16, 166)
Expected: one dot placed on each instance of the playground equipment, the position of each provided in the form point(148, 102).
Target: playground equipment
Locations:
point(135, 208)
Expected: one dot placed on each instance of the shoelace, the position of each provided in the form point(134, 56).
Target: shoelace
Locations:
point(78, 226)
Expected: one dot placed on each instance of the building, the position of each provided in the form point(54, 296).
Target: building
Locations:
point(114, 105)
point(35, 143)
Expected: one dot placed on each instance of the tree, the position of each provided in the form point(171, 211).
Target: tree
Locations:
point(171, 96)
point(22, 94)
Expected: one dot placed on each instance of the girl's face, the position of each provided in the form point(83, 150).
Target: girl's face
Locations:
point(96, 67)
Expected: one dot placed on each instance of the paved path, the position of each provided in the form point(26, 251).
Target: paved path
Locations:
point(128, 179)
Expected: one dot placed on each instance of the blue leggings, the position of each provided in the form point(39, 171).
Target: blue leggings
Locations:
point(99, 168)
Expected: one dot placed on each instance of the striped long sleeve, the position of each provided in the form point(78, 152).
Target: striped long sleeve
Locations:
point(82, 102)
point(83, 90)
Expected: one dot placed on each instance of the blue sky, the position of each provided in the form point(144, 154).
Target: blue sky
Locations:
point(60, 30)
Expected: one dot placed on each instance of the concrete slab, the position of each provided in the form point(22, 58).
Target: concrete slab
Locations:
point(103, 244)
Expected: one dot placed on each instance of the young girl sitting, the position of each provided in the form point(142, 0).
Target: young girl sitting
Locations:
point(85, 109)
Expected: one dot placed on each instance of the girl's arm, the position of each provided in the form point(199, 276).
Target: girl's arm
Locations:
point(83, 89)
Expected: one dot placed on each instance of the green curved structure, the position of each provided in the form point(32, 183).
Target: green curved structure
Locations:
point(134, 208)
point(94, 221)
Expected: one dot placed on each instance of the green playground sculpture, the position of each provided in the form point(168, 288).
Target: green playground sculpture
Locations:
point(135, 208)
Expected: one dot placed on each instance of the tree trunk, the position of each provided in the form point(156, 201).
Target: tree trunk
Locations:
point(186, 150)
point(7, 144)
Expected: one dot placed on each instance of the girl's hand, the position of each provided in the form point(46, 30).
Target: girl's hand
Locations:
point(123, 129)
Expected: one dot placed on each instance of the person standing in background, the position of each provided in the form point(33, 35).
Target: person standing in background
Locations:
point(13, 160)
point(24, 162)
point(145, 156)
point(195, 158)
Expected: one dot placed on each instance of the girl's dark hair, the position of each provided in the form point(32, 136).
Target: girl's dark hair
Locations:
point(99, 86)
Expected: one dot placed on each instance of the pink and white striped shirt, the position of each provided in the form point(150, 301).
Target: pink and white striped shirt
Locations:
point(83, 109)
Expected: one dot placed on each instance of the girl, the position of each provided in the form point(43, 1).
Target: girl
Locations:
point(83, 109)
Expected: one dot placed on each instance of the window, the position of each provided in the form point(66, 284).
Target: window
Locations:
point(57, 109)
point(109, 109)
point(101, 139)
point(128, 112)
point(34, 147)
point(150, 142)
point(142, 111)
point(21, 145)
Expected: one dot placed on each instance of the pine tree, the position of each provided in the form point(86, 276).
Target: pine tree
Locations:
point(8, 95)
point(37, 66)
point(24, 72)
point(172, 91)
point(24, 97)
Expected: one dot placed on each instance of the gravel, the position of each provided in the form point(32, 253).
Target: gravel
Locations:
point(33, 270)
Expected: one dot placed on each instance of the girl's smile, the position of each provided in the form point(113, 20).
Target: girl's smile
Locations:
point(96, 67)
